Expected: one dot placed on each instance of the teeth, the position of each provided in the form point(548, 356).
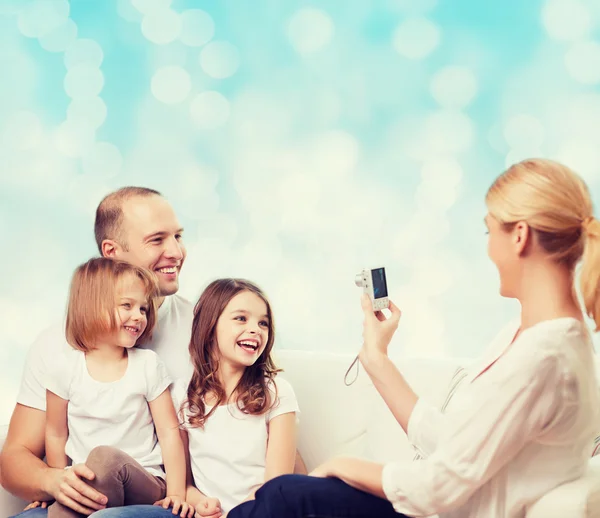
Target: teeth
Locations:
point(254, 345)
point(133, 329)
point(171, 269)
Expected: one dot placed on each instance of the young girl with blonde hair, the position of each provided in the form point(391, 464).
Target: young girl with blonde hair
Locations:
point(524, 420)
point(108, 403)
point(239, 416)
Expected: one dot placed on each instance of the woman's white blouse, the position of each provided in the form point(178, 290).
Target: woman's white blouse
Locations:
point(522, 423)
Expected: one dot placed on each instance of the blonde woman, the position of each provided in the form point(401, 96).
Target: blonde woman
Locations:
point(523, 422)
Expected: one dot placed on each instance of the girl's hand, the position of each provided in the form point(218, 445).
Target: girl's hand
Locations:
point(33, 505)
point(179, 505)
point(377, 329)
point(209, 508)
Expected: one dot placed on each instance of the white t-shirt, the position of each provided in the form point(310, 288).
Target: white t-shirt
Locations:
point(112, 413)
point(521, 424)
point(170, 341)
point(228, 455)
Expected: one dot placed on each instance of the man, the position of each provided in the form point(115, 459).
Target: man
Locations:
point(137, 225)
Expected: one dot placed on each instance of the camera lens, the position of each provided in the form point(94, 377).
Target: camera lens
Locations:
point(359, 281)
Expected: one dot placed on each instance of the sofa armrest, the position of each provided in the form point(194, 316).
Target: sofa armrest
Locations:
point(9, 504)
point(577, 499)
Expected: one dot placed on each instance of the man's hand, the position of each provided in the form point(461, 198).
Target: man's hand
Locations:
point(209, 508)
point(179, 505)
point(68, 487)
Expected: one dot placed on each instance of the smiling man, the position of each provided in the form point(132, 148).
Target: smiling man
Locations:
point(137, 225)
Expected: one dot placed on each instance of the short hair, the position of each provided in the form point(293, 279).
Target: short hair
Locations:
point(109, 214)
point(92, 300)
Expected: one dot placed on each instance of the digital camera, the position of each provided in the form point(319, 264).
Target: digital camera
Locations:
point(373, 282)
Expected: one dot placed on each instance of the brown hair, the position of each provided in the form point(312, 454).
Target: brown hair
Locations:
point(555, 203)
point(252, 393)
point(109, 214)
point(92, 300)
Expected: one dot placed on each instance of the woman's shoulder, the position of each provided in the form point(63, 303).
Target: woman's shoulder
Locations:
point(559, 349)
point(555, 336)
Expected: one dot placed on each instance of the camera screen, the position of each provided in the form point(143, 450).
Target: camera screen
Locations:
point(379, 284)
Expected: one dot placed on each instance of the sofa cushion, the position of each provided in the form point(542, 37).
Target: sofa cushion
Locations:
point(333, 416)
point(577, 499)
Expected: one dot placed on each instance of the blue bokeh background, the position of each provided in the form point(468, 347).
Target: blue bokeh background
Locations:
point(298, 142)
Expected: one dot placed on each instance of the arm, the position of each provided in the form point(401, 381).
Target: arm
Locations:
point(57, 430)
point(193, 495)
point(28, 477)
point(169, 438)
point(391, 385)
point(421, 422)
point(358, 473)
point(23, 472)
point(204, 506)
point(377, 334)
point(281, 454)
point(281, 446)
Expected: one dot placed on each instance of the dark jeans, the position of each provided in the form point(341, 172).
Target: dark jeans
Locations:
point(131, 511)
point(301, 496)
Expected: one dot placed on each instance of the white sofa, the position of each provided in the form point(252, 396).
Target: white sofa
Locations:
point(340, 420)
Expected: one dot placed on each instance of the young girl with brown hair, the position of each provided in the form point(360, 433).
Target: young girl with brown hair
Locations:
point(239, 417)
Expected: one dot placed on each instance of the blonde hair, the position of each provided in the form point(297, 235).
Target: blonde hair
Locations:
point(92, 300)
point(556, 205)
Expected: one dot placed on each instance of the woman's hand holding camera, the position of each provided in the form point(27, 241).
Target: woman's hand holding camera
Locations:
point(377, 330)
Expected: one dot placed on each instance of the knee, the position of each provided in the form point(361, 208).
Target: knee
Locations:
point(280, 496)
point(279, 484)
point(105, 459)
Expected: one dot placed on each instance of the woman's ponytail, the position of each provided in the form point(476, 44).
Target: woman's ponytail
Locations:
point(590, 270)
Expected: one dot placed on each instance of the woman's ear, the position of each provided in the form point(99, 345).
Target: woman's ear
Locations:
point(522, 237)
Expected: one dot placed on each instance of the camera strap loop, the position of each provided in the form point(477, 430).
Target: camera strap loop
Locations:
point(348, 372)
